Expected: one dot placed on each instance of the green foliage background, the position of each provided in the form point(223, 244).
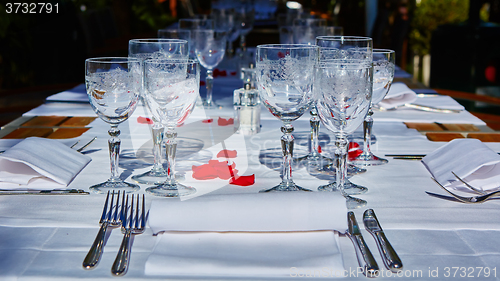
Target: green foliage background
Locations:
point(428, 15)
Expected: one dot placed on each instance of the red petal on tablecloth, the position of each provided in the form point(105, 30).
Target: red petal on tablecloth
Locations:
point(354, 150)
point(233, 73)
point(225, 122)
point(208, 120)
point(204, 172)
point(227, 153)
point(202, 83)
point(144, 120)
point(224, 171)
point(243, 180)
point(319, 148)
point(214, 169)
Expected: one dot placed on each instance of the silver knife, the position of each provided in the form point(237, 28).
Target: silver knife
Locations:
point(365, 257)
point(389, 255)
point(43, 192)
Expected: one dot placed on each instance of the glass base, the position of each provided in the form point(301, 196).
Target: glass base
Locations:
point(111, 185)
point(286, 187)
point(354, 203)
point(170, 190)
point(349, 188)
point(368, 160)
point(211, 105)
point(151, 177)
point(351, 169)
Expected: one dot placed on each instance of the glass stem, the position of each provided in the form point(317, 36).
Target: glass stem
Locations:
point(157, 131)
point(367, 130)
point(114, 151)
point(341, 162)
point(171, 148)
point(287, 148)
point(243, 44)
point(210, 79)
point(314, 147)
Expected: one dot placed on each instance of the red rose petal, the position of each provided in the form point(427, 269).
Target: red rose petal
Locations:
point(243, 180)
point(233, 73)
point(204, 172)
point(202, 83)
point(319, 148)
point(227, 153)
point(225, 122)
point(144, 120)
point(354, 150)
point(208, 120)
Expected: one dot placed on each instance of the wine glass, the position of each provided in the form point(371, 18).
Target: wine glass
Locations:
point(191, 24)
point(285, 77)
point(229, 20)
point(210, 47)
point(171, 89)
point(113, 87)
point(156, 48)
point(383, 74)
point(343, 88)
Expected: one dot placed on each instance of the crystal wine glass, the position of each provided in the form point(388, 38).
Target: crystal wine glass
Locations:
point(344, 88)
point(156, 48)
point(285, 77)
point(191, 24)
point(171, 89)
point(383, 74)
point(210, 47)
point(113, 87)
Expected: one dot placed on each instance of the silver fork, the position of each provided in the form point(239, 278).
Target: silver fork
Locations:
point(468, 185)
point(472, 199)
point(108, 219)
point(131, 225)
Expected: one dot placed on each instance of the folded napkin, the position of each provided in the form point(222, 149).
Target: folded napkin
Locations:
point(470, 159)
point(399, 94)
point(247, 235)
point(40, 163)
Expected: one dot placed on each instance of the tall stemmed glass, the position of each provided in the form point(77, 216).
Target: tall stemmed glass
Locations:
point(156, 48)
point(191, 24)
point(247, 12)
point(285, 74)
point(171, 89)
point(229, 20)
point(113, 87)
point(344, 89)
point(210, 47)
point(383, 74)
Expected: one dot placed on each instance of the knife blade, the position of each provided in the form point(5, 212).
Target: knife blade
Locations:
point(43, 192)
point(363, 253)
point(389, 255)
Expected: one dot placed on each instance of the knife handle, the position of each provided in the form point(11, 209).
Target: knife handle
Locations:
point(364, 255)
point(389, 255)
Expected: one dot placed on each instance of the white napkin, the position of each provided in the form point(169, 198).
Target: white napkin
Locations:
point(470, 159)
point(40, 163)
point(399, 94)
point(248, 235)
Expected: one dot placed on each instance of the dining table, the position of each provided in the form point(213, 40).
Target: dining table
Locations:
point(46, 237)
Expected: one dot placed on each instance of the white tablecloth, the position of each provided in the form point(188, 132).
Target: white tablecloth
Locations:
point(47, 237)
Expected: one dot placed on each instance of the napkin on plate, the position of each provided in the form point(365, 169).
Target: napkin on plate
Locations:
point(399, 94)
point(470, 159)
point(40, 163)
point(247, 235)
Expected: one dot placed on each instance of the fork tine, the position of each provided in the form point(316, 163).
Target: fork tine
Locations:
point(460, 198)
point(468, 185)
point(104, 209)
point(143, 217)
point(124, 213)
point(137, 212)
point(115, 217)
point(131, 221)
